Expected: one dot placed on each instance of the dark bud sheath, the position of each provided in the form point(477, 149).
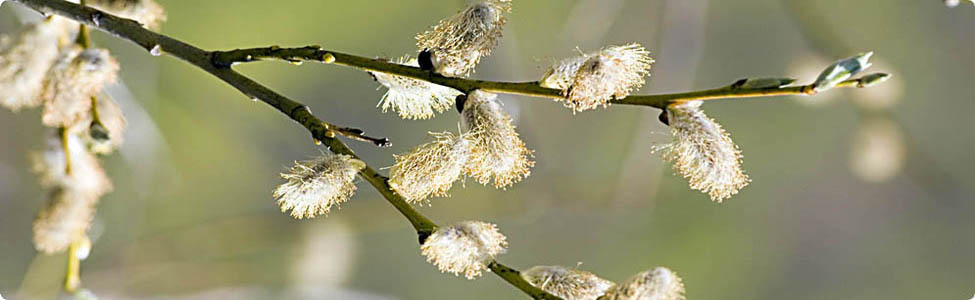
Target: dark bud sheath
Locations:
point(425, 59)
point(459, 102)
point(663, 117)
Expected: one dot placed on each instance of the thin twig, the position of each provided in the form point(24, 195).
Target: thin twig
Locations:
point(321, 131)
point(532, 88)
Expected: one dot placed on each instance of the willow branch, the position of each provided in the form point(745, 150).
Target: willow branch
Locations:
point(532, 88)
point(320, 130)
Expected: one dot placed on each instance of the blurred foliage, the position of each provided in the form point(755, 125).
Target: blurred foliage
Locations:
point(192, 213)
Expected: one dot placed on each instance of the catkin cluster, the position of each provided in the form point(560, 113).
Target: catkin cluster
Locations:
point(489, 149)
point(42, 66)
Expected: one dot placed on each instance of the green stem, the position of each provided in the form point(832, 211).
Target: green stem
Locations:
point(318, 54)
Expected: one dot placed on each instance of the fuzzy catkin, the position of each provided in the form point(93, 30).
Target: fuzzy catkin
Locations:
point(25, 60)
point(569, 284)
point(411, 98)
point(314, 186)
point(64, 219)
point(147, 12)
point(496, 150)
point(430, 169)
point(592, 80)
point(83, 175)
point(656, 284)
point(464, 248)
point(458, 43)
point(78, 76)
point(703, 152)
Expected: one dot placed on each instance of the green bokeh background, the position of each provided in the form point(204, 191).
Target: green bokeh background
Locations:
point(191, 216)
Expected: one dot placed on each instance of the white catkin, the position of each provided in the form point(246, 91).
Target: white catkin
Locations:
point(591, 80)
point(430, 169)
point(25, 60)
point(496, 150)
point(458, 43)
point(411, 98)
point(464, 248)
point(569, 284)
point(703, 152)
point(314, 186)
point(656, 284)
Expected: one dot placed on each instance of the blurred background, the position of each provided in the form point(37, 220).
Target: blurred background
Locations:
point(856, 194)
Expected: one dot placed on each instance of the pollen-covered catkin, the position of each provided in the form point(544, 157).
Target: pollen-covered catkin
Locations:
point(314, 186)
point(458, 43)
point(703, 152)
point(464, 248)
point(24, 61)
point(430, 169)
point(569, 284)
point(592, 80)
point(656, 284)
point(77, 76)
point(147, 12)
point(411, 98)
point(496, 150)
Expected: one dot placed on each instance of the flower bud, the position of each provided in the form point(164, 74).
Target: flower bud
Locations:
point(464, 248)
point(872, 79)
point(592, 80)
point(457, 44)
point(841, 71)
point(430, 169)
point(411, 98)
point(496, 150)
point(703, 152)
point(314, 186)
point(569, 284)
point(657, 284)
point(762, 83)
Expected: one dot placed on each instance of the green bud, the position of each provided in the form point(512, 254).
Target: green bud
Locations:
point(872, 79)
point(841, 71)
point(762, 83)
